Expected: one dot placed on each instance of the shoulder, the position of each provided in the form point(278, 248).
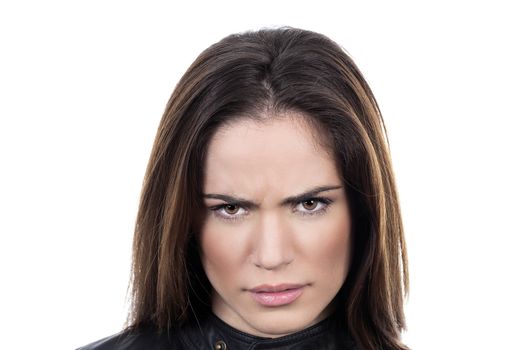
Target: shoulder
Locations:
point(127, 340)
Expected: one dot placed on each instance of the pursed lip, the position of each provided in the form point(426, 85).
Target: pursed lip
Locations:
point(276, 295)
point(269, 288)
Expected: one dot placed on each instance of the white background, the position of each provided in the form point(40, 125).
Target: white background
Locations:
point(83, 85)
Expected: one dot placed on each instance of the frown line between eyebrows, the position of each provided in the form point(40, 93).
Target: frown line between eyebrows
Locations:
point(287, 201)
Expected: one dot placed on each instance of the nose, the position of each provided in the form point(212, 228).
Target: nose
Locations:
point(273, 248)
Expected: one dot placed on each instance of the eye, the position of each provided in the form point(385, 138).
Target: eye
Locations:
point(229, 211)
point(312, 206)
point(309, 204)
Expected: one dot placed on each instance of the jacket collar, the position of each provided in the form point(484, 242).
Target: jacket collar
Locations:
point(216, 334)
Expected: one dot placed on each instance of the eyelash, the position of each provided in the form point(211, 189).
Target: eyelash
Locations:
point(216, 210)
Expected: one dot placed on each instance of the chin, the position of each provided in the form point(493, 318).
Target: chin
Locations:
point(278, 322)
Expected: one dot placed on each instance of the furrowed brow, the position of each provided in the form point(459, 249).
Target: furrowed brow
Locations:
point(232, 200)
point(287, 201)
point(308, 194)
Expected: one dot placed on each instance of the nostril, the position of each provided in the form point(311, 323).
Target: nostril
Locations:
point(272, 264)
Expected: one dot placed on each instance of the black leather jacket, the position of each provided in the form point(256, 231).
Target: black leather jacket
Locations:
point(214, 334)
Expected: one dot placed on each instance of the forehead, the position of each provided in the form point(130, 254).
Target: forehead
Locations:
point(252, 156)
point(285, 129)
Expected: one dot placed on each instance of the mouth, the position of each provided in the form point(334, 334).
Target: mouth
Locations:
point(276, 295)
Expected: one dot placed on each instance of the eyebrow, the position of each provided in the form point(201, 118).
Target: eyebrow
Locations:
point(287, 201)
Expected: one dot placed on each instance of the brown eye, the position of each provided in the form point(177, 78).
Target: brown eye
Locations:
point(231, 209)
point(310, 204)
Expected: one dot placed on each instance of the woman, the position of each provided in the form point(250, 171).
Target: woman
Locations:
point(269, 217)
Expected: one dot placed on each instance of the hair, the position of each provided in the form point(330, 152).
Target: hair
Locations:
point(247, 75)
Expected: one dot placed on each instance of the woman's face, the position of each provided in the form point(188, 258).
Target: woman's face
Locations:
point(275, 243)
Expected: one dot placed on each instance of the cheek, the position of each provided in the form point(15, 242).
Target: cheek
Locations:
point(328, 245)
point(220, 257)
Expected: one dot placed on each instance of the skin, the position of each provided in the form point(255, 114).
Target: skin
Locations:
point(267, 241)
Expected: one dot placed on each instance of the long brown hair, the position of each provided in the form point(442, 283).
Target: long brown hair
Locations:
point(274, 70)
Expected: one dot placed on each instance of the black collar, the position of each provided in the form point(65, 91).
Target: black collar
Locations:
point(214, 333)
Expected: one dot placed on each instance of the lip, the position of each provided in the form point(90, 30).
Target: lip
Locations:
point(276, 295)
